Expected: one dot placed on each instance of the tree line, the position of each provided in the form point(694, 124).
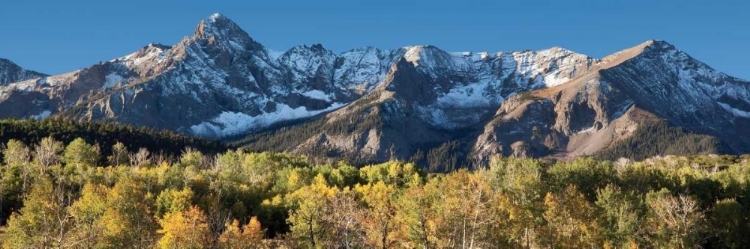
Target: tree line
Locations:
point(58, 195)
point(105, 134)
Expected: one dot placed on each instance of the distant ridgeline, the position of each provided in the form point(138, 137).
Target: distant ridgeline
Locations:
point(652, 139)
point(657, 138)
point(105, 135)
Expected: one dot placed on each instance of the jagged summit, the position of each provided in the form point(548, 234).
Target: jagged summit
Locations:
point(217, 19)
point(658, 47)
point(219, 26)
point(647, 47)
point(11, 72)
point(158, 45)
point(655, 43)
point(216, 16)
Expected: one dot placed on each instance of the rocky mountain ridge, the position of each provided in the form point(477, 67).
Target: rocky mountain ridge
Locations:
point(600, 103)
point(378, 104)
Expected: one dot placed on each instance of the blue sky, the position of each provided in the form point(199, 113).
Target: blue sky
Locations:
point(59, 36)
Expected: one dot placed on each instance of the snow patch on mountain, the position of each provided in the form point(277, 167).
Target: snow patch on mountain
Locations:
point(317, 94)
point(362, 69)
point(734, 111)
point(448, 118)
point(61, 79)
point(587, 130)
point(700, 84)
point(112, 80)
point(44, 114)
point(25, 86)
point(551, 80)
point(273, 54)
point(234, 123)
point(555, 66)
point(151, 53)
point(214, 17)
point(434, 116)
point(471, 95)
point(413, 54)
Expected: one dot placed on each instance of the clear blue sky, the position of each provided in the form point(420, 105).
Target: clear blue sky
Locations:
point(55, 36)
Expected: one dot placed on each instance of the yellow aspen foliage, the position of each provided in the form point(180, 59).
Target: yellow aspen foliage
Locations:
point(187, 229)
point(253, 230)
point(248, 236)
point(42, 222)
point(379, 219)
point(568, 218)
point(128, 220)
point(308, 215)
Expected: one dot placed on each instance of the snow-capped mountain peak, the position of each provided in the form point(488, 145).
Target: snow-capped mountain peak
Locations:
point(220, 82)
point(412, 54)
point(215, 23)
point(220, 30)
point(659, 45)
point(692, 85)
point(215, 16)
point(10, 72)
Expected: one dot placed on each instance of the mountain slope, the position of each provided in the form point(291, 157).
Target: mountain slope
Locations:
point(215, 83)
point(10, 72)
point(416, 102)
point(601, 105)
point(639, 87)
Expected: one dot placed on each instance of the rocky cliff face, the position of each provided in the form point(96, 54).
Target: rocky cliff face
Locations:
point(428, 95)
point(551, 103)
point(378, 104)
point(648, 83)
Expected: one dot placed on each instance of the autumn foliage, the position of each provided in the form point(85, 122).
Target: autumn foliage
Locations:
point(55, 195)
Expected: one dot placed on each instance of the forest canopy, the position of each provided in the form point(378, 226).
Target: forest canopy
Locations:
point(57, 194)
point(105, 135)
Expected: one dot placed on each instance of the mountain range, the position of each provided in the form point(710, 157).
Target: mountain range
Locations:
point(417, 102)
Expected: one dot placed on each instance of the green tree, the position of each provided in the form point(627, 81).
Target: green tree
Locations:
point(417, 215)
point(79, 152)
point(16, 153)
point(87, 212)
point(173, 201)
point(308, 210)
point(43, 222)
point(119, 155)
point(128, 220)
point(619, 218)
point(521, 186)
point(47, 152)
point(728, 224)
point(587, 174)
